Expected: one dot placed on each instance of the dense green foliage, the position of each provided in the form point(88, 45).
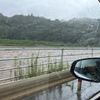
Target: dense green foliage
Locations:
point(83, 31)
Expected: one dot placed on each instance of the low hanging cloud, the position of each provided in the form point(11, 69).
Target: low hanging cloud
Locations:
point(53, 9)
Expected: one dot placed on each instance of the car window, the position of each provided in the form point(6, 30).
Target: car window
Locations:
point(41, 38)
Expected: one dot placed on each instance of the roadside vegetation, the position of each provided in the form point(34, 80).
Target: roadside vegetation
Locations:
point(34, 68)
point(9, 42)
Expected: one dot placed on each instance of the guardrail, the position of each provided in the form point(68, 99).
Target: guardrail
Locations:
point(23, 88)
point(34, 66)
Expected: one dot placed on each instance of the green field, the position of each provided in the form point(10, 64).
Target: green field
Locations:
point(8, 42)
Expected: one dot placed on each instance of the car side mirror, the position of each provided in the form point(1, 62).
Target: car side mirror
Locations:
point(86, 69)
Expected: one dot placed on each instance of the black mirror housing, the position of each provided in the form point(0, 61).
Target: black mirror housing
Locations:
point(86, 69)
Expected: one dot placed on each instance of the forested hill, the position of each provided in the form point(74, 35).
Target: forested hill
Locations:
point(82, 31)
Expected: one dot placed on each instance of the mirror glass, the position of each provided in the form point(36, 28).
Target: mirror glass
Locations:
point(88, 69)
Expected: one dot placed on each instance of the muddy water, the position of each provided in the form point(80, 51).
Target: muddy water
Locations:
point(19, 52)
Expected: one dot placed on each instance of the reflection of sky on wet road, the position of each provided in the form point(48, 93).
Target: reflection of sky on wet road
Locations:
point(65, 92)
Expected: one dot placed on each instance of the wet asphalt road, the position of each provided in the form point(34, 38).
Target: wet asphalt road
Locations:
point(67, 91)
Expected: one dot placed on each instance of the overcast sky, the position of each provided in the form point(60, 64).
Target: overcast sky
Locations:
point(53, 9)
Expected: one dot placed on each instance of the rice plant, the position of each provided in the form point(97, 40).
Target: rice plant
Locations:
point(35, 65)
point(43, 70)
point(68, 66)
point(52, 67)
point(32, 57)
point(21, 73)
point(28, 69)
point(15, 70)
point(60, 66)
point(48, 62)
point(39, 70)
point(33, 69)
point(10, 73)
point(55, 66)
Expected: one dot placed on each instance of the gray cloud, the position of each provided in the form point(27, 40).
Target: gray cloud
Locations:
point(53, 9)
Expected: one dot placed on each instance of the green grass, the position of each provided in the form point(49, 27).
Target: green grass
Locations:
point(8, 42)
point(34, 69)
point(70, 85)
point(78, 92)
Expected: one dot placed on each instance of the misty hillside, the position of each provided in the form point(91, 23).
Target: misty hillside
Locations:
point(82, 31)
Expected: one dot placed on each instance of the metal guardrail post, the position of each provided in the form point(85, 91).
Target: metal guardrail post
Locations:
point(92, 53)
point(79, 84)
point(62, 51)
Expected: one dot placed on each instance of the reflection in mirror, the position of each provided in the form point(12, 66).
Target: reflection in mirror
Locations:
point(88, 69)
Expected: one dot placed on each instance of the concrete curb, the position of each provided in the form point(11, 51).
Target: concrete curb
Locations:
point(19, 89)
